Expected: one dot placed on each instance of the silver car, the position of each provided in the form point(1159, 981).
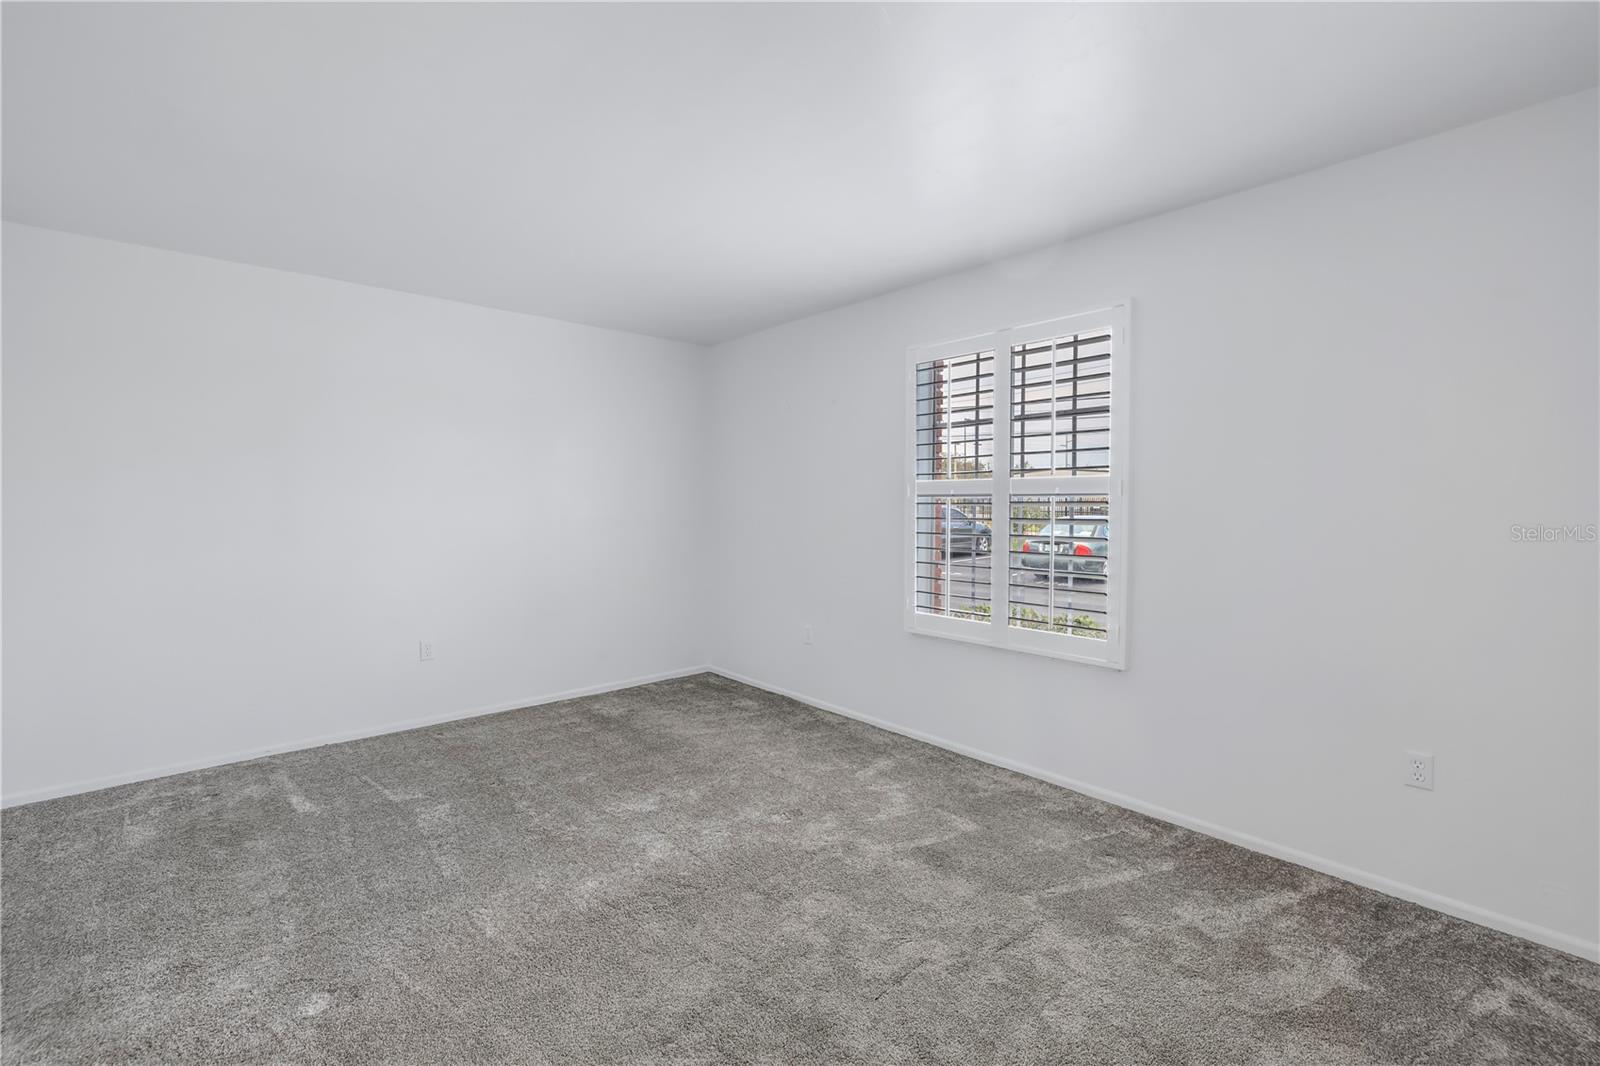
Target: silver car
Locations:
point(1073, 548)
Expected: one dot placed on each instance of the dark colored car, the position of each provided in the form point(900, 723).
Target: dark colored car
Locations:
point(967, 535)
point(1077, 548)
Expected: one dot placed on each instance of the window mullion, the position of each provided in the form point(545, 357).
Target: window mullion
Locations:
point(1000, 493)
point(975, 486)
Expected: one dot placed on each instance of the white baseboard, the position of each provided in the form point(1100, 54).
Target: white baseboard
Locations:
point(73, 788)
point(1585, 949)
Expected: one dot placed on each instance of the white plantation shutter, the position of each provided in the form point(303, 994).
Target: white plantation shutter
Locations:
point(1017, 535)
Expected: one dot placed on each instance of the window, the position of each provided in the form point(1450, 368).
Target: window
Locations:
point(1023, 545)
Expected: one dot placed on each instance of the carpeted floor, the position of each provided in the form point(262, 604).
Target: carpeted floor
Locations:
point(697, 871)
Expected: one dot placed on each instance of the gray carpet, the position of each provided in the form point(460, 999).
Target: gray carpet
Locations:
point(698, 871)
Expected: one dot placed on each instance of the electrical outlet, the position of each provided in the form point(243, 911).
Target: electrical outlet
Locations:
point(425, 651)
point(1419, 770)
point(807, 636)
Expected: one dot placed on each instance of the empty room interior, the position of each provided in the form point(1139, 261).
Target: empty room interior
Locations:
point(800, 533)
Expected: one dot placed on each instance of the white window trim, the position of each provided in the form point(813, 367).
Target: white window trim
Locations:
point(997, 631)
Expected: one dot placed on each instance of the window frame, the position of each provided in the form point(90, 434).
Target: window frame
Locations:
point(1003, 484)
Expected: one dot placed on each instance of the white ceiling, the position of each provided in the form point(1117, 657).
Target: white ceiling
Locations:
point(703, 171)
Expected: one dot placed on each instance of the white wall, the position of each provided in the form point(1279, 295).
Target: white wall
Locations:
point(1393, 360)
point(236, 498)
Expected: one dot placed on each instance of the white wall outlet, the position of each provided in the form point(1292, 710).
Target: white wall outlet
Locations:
point(807, 636)
point(425, 651)
point(1419, 770)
